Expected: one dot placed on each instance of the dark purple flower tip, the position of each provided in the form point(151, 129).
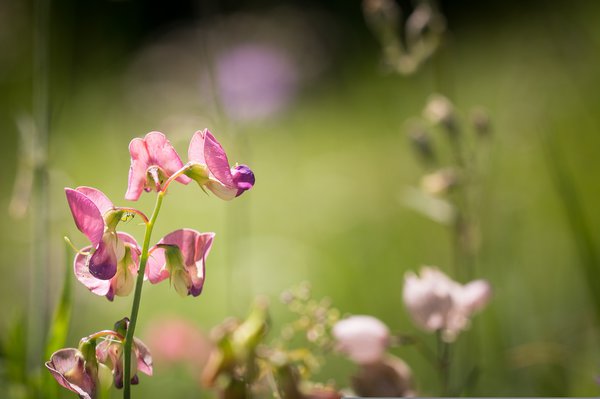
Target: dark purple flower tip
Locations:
point(243, 178)
point(135, 380)
point(103, 262)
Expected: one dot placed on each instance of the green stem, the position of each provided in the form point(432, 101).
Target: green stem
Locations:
point(138, 296)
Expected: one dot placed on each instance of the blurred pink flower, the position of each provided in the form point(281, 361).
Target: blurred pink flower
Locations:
point(436, 302)
point(210, 167)
point(181, 256)
point(177, 340)
point(153, 160)
point(91, 211)
point(363, 338)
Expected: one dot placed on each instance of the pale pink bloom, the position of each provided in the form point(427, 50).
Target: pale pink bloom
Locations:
point(210, 168)
point(91, 210)
point(153, 161)
point(364, 339)
point(181, 256)
point(435, 302)
point(67, 366)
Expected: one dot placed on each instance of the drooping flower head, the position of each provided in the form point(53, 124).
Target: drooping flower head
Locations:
point(363, 338)
point(98, 361)
point(96, 217)
point(181, 256)
point(68, 367)
point(153, 160)
point(110, 353)
point(210, 168)
point(436, 302)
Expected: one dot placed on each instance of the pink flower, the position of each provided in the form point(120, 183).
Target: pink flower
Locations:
point(153, 160)
point(181, 256)
point(363, 338)
point(68, 367)
point(209, 166)
point(436, 302)
point(122, 282)
point(95, 216)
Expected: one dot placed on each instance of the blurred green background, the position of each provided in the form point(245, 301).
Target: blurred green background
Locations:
point(332, 162)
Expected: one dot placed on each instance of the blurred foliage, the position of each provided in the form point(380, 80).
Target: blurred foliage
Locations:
point(331, 172)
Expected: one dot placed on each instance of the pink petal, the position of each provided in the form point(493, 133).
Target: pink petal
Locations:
point(70, 361)
point(144, 359)
point(216, 160)
point(140, 162)
point(97, 286)
point(155, 268)
point(197, 271)
point(196, 149)
point(185, 239)
point(135, 248)
point(222, 191)
point(163, 154)
point(86, 214)
point(98, 198)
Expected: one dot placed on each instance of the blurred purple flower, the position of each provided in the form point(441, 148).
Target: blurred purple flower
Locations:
point(153, 160)
point(210, 168)
point(181, 256)
point(255, 81)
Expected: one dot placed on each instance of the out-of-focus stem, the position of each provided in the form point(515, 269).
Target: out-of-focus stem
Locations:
point(137, 297)
point(443, 349)
point(580, 229)
point(38, 314)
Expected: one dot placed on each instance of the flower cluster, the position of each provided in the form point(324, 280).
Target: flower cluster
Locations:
point(114, 263)
point(89, 368)
point(436, 304)
point(109, 266)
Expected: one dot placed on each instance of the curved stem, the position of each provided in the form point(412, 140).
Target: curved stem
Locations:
point(138, 296)
point(174, 176)
point(136, 211)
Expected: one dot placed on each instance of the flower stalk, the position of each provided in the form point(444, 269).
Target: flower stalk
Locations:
point(137, 296)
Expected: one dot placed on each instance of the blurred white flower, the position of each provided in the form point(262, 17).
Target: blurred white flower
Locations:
point(364, 339)
point(436, 302)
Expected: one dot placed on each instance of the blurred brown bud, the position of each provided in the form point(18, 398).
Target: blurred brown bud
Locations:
point(390, 377)
point(424, 23)
point(381, 14)
point(421, 142)
point(439, 182)
point(440, 111)
point(481, 121)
